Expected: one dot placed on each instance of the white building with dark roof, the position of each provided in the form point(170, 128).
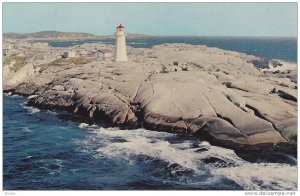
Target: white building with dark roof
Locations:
point(103, 53)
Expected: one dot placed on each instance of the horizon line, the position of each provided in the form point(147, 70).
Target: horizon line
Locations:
point(244, 36)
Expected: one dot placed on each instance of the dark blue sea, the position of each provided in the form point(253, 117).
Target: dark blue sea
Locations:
point(282, 48)
point(44, 150)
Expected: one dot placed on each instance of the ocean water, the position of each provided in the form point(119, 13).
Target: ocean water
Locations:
point(283, 48)
point(44, 151)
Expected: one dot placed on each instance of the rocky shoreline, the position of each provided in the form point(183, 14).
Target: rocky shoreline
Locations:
point(217, 95)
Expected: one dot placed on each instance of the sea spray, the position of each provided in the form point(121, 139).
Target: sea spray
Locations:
point(214, 163)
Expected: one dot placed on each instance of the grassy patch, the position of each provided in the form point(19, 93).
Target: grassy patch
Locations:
point(78, 61)
point(19, 62)
point(63, 62)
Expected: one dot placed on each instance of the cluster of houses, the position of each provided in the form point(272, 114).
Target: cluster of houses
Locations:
point(118, 53)
point(100, 54)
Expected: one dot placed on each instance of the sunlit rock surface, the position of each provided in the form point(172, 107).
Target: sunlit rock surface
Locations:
point(214, 94)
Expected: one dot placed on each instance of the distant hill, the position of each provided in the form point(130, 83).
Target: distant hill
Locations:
point(48, 34)
point(14, 35)
point(62, 35)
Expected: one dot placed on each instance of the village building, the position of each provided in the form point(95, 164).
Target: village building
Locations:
point(69, 54)
point(103, 53)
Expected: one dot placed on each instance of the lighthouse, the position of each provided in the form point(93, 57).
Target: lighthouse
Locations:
point(120, 54)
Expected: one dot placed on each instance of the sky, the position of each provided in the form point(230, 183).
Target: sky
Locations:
point(165, 19)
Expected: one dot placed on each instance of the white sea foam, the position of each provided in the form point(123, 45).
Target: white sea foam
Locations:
point(7, 94)
point(162, 150)
point(254, 176)
point(59, 163)
point(51, 112)
point(15, 95)
point(34, 110)
point(83, 125)
point(26, 129)
point(158, 145)
point(94, 126)
point(52, 166)
point(23, 104)
point(31, 110)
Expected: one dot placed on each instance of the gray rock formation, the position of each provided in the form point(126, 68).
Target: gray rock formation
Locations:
point(215, 94)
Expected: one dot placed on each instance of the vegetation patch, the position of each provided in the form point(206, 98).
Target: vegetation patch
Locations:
point(19, 62)
point(64, 62)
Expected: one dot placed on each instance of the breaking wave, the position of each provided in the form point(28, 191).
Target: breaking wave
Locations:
point(206, 165)
point(31, 110)
point(62, 154)
point(8, 94)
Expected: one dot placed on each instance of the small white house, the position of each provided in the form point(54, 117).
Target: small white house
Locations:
point(103, 53)
point(69, 54)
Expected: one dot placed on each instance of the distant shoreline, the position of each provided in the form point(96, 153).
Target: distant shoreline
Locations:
point(133, 35)
point(271, 48)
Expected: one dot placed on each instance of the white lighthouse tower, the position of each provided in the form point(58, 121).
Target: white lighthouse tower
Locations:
point(120, 54)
